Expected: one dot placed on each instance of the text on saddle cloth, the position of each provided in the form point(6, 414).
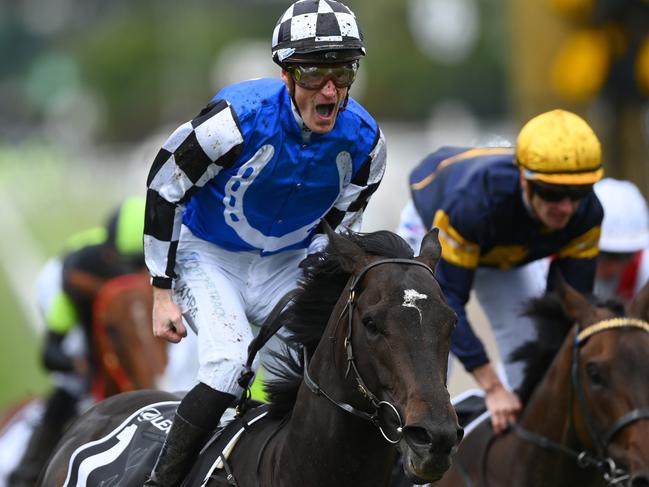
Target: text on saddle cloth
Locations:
point(127, 454)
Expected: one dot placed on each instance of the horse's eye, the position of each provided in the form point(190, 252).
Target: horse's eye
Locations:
point(595, 374)
point(370, 326)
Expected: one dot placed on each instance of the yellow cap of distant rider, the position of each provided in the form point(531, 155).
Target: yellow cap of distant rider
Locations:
point(559, 147)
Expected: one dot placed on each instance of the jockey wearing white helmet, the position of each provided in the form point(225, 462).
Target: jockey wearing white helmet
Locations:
point(623, 263)
point(235, 200)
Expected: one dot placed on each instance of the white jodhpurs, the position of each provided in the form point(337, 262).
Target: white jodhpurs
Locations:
point(503, 294)
point(221, 293)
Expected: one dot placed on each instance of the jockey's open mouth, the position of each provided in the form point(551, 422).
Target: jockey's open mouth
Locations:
point(325, 110)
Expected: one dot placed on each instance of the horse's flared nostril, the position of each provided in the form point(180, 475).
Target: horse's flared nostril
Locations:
point(641, 480)
point(439, 439)
point(416, 436)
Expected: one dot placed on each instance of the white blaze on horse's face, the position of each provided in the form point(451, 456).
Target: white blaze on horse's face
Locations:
point(410, 297)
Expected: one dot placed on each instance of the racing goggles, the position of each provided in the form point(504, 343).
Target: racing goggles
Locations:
point(555, 193)
point(314, 77)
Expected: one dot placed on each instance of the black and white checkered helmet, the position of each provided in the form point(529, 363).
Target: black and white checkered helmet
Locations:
point(320, 31)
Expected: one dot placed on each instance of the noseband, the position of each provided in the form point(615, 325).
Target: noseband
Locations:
point(374, 401)
point(602, 460)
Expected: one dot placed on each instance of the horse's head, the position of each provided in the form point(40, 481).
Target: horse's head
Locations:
point(396, 327)
point(610, 365)
point(129, 357)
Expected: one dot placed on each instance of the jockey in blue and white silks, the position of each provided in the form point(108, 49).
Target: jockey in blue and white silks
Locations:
point(235, 201)
point(252, 177)
point(258, 198)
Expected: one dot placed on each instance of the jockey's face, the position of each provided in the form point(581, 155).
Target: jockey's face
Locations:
point(318, 107)
point(553, 214)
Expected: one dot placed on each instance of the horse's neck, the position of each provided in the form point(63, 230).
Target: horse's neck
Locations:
point(549, 414)
point(548, 410)
point(339, 448)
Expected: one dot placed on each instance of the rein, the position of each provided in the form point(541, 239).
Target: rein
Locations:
point(374, 416)
point(601, 460)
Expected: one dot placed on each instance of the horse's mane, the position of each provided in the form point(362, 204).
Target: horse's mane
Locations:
point(320, 288)
point(552, 325)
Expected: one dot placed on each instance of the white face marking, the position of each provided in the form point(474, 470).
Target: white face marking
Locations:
point(410, 297)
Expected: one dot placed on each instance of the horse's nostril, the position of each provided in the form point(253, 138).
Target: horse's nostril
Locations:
point(416, 436)
point(440, 439)
point(640, 481)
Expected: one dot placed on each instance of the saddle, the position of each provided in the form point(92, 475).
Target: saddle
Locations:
point(126, 455)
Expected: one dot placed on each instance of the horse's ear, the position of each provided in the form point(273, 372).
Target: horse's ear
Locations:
point(350, 255)
point(574, 303)
point(431, 249)
point(638, 307)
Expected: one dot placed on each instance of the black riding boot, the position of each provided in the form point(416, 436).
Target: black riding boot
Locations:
point(60, 408)
point(197, 416)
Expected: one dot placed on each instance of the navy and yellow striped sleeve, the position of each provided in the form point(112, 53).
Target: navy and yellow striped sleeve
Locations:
point(455, 272)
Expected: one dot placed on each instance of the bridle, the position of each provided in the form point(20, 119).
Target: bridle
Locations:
point(377, 405)
point(612, 474)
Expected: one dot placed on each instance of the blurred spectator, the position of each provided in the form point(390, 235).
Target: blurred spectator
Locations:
point(66, 289)
point(622, 264)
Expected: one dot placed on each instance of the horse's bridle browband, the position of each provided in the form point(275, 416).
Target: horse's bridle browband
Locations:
point(377, 404)
point(612, 474)
point(610, 324)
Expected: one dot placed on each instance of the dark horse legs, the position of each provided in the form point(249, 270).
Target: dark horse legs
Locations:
point(60, 408)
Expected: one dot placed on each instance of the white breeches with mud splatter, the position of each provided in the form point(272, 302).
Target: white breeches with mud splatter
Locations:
point(221, 293)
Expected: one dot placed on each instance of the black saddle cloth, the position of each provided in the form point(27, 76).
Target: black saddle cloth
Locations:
point(125, 457)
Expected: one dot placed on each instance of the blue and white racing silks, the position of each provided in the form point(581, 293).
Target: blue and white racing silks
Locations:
point(246, 175)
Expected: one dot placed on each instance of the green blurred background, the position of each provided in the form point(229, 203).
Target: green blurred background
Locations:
point(89, 89)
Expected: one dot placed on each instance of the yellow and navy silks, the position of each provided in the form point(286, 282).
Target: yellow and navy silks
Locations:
point(474, 197)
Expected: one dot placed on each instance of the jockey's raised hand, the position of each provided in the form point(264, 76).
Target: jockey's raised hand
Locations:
point(167, 318)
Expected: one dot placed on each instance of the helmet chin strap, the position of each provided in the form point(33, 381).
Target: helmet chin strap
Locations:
point(343, 107)
point(291, 92)
point(526, 194)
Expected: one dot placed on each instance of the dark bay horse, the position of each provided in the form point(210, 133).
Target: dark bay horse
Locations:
point(586, 418)
point(370, 380)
